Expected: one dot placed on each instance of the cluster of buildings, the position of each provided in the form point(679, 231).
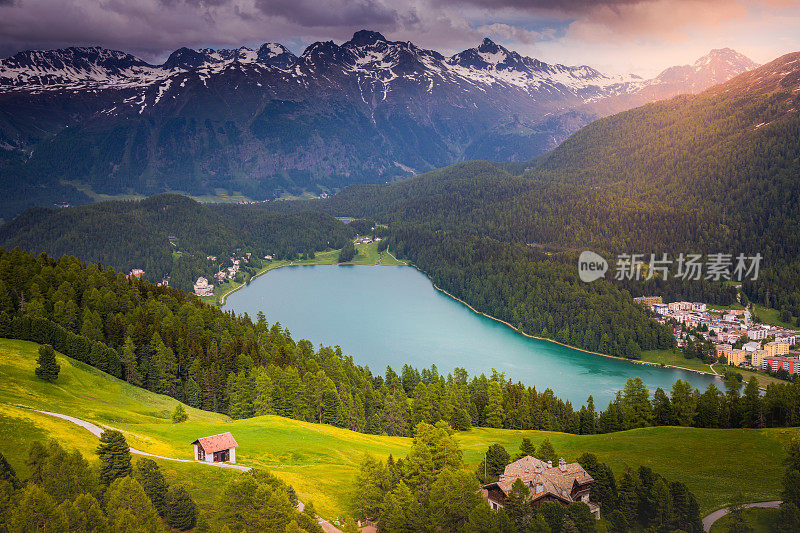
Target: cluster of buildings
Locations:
point(237, 260)
point(565, 483)
point(765, 347)
point(203, 288)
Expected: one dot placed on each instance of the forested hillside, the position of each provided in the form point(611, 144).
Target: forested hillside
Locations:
point(170, 235)
point(713, 173)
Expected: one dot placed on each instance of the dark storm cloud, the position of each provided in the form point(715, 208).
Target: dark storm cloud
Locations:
point(315, 14)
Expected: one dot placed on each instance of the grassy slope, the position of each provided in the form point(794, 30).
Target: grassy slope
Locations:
point(320, 461)
point(761, 520)
point(667, 357)
point(767, 315)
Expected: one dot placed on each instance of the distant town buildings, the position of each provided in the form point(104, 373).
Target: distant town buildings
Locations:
point(136, 273)
point(203, 288)
point(648, 301)
point(729, 327)
point(790, 364)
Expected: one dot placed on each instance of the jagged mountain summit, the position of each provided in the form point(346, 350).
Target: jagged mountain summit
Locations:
point(718, 66)
point(264, 122)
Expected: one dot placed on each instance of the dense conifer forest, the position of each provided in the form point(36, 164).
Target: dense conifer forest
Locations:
point(170, 235)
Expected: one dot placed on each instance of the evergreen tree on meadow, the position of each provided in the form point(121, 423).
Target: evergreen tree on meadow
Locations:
point(547, 452)
point(47, 368)
point(115, 456)
point(494, 463)
point(7, 473)
point(66, 474)
point(181, 511)
point(37, 455)
point(604, 488)
point(179, 414)
point(526, 448)
point(452, 496)
point(149, 476)
point(347, 253)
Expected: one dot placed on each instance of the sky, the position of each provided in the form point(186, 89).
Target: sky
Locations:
point(616, 36)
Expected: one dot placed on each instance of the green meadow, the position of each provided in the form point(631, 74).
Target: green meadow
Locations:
point(321, 461)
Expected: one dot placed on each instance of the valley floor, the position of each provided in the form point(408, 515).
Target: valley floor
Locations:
point(321, 461)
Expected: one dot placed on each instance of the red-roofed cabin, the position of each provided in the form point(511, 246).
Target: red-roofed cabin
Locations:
point(216, 448)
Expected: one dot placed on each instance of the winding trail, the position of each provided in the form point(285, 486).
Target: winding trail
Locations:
point(709, 520)
point(96, 430)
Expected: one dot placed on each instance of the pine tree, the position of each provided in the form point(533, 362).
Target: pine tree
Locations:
point(636, 409)
point(527, 448)
point(84, 513)
point(262, 399)
point(47, 368)
point(115, 456)
point(240, 395)
point(494, 463)
point(547, 452)
point(128, 359)
point(37, 456)
point(452, 496)
point(181, 511)
point(516, 505)
point(129, 508)
point(494, 406)
point(179, 414)
point(193, 396)
point(7, 473)
point(36, 511)
point(149, 476)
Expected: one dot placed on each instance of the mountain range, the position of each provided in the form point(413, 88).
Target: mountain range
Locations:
point(78, 122)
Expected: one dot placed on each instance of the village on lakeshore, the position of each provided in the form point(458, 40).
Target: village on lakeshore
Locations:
point(737, 337)
point(241, 266)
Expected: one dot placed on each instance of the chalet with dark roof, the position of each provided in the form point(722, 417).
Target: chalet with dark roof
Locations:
point(565, 483)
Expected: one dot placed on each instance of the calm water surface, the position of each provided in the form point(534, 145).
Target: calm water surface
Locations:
point(392, 315)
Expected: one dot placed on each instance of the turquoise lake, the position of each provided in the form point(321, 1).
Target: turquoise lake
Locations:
point(392, 315)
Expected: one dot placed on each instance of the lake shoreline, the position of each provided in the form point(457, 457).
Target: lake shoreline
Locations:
point(516, 330)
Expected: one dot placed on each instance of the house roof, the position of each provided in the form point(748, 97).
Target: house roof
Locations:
point(216, 443)
point(552, 479)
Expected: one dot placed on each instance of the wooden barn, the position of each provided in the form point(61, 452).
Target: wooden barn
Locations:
point(216, 448)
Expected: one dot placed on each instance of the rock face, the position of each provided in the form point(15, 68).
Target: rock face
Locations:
point(266, 122)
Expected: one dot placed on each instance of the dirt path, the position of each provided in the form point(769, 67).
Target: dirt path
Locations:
point(719, 513)
point(97, 431)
